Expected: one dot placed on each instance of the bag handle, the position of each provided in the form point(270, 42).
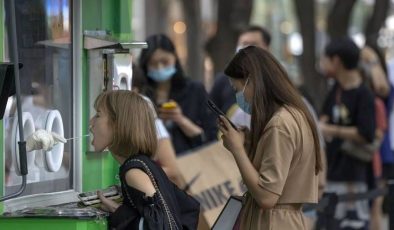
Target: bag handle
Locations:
point(170, 217)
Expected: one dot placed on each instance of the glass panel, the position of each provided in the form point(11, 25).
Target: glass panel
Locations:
point(44, 47)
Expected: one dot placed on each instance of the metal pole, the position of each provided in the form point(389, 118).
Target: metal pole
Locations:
point(22, 143)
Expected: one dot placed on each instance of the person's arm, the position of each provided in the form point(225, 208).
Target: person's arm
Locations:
point(106, 203)
point(185, 124)
point(380, 82)
point(207, 129)
point(188, 127)
point(379, 79)
point(42, 139)
point(166, 156)
point(139, 180)
point(135, 178)
point(165, 153)
point(381, 119)
point(233, 140)
point(364, 129)
point(324, 119)
point(343, 132)
point(325, 114)
point(251, 177)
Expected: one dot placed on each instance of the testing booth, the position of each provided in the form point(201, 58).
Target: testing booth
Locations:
point(69, 50)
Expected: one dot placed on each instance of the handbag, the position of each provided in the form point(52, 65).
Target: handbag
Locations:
point(362, 152)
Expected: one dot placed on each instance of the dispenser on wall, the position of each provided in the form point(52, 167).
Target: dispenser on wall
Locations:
point(120, 65)
point(110, 64)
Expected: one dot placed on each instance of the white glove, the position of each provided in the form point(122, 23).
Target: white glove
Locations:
point(42, 139)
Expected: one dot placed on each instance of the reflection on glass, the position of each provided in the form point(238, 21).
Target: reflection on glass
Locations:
point(44, 46)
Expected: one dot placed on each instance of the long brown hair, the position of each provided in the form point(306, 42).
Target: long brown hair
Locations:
point(132, 120)
point(272, 90)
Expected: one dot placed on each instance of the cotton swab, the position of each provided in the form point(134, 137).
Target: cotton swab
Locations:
point(72, 138)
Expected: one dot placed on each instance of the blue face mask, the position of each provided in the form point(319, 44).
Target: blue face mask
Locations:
point(162, 74)
point(242, 103)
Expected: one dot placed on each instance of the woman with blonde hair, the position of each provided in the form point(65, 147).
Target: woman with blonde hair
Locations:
point(124, 123)
point(281, 163)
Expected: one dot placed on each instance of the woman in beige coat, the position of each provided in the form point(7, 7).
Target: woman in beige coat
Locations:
point(281, 163)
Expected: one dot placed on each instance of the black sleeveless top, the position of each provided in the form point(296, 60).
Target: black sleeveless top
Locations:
point(136, 204)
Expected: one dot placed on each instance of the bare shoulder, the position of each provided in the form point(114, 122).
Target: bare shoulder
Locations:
point(139, 180)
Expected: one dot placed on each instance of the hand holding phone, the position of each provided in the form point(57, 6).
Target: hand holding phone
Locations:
point(169, 105)
point(219, 113)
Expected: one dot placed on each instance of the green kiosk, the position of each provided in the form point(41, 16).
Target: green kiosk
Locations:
point(71, 50)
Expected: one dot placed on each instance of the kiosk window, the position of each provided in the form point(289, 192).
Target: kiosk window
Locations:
point(45, 50)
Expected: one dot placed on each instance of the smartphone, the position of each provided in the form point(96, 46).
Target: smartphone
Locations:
point(219, 112)
point(169, 105)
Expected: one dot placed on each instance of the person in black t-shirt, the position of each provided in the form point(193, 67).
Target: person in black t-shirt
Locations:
point(348, 115)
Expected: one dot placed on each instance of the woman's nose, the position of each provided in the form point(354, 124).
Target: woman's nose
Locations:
point(160, 66)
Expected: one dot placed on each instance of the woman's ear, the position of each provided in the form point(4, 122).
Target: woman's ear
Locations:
point(336, 61)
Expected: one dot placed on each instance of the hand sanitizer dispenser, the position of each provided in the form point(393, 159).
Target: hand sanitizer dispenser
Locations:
point(110, 64)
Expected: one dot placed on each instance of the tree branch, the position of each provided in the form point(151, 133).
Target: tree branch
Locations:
point(232, 16)
point(339, 18)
